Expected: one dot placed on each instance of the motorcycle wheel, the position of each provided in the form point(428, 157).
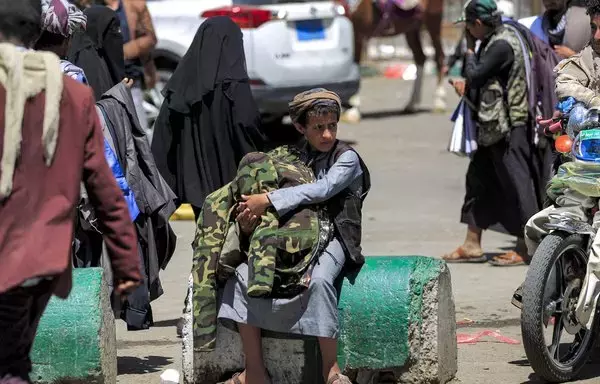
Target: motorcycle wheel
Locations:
point(557, 268)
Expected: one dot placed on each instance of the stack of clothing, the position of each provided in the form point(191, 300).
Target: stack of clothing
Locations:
point(281, 251)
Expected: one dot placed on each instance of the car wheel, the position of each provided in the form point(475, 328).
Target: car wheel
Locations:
point(153, 98)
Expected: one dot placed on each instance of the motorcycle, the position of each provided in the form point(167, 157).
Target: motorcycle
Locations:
point(556, 343)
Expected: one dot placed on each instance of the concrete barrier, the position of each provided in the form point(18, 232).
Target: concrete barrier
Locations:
point(397, 325)
point(76, 339)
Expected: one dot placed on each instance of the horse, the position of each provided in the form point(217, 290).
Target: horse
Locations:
point(386, 19)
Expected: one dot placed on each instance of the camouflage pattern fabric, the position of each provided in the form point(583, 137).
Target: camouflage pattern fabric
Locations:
point(501, 109)
point(280, 252)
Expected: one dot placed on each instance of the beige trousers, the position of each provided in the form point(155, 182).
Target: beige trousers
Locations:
point(576, 204)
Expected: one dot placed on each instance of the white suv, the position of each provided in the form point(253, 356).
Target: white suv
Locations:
point(290, 45)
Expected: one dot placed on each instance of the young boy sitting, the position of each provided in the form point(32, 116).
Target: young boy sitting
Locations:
point(343, 182)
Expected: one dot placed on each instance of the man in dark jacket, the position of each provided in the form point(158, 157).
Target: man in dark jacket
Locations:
point(501, 192)
point(47, 147)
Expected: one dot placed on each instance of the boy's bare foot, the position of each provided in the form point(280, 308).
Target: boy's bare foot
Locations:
point(338, 378)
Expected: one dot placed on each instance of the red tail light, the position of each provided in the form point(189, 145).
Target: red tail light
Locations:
point(245, 17)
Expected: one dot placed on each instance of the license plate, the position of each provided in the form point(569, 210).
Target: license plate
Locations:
point(310, 30)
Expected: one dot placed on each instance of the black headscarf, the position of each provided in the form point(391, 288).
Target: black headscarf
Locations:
point(216, 56)
point(104, 30)
point(99, 49)
point(209, 119)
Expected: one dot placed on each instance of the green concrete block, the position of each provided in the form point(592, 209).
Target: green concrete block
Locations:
point(399, 316)
point(76, 338)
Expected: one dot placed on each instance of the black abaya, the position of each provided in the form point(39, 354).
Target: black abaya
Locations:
point(209, 119)
point(502, 192)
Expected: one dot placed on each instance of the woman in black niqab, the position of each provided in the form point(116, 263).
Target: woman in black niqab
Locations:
point(209, 119)
point(99, 49)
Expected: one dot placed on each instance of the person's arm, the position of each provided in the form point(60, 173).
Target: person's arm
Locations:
point(108, 201)
point(345, 170)
point(571, 80)
point(458, 54)
point(143, 45)
point(496, 59)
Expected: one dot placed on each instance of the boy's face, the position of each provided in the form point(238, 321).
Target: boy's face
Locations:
point(595, 41)
point(320, 131)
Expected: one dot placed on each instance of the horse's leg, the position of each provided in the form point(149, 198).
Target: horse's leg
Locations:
point(433, 23)
point(351, 112)
point(413, 39)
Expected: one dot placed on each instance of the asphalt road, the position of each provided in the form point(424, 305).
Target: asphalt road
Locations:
point(413, 209)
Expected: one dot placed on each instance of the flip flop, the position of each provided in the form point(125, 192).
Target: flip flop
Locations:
point(463, 257)
point(509, 259)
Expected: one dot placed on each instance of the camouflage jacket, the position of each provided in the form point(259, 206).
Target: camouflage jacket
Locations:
point(500, 108)
point(280, 252)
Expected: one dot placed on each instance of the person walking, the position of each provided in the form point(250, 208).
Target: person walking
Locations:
point(501, 190)
point(51, 140)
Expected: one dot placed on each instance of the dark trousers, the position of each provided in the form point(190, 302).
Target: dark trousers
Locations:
point(20, 313)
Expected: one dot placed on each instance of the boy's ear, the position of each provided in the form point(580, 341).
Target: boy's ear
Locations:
point(300, 128)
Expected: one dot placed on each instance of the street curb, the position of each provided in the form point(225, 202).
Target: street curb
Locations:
point(184, 212)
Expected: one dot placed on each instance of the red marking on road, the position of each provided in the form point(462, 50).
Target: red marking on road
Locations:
point(463, 338)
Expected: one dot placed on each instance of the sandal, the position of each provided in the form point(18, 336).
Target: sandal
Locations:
point(338, 378)
point(234, 379)
point(463, 257)
point(509, 259)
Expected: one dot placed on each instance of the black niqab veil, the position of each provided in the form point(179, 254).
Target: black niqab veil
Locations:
point(209, 119)
point(99, 50)
point(104, 29)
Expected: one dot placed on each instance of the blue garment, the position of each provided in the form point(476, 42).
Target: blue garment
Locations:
point(123, 21)
point(73, 71)
point(115, 167)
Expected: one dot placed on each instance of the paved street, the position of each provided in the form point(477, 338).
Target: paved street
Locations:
point(413, 209)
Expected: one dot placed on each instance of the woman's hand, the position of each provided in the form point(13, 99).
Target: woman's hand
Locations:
point(128, 82)
point(257, 204)
point(247, 221)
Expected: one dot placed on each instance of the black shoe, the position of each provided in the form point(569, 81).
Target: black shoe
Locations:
point(517, 298)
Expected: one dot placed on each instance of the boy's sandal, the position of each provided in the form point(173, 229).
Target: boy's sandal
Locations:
point(234, 379)
point(339, 379)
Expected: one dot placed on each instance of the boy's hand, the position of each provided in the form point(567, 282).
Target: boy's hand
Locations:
point(247, 221)
point(257, 204)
